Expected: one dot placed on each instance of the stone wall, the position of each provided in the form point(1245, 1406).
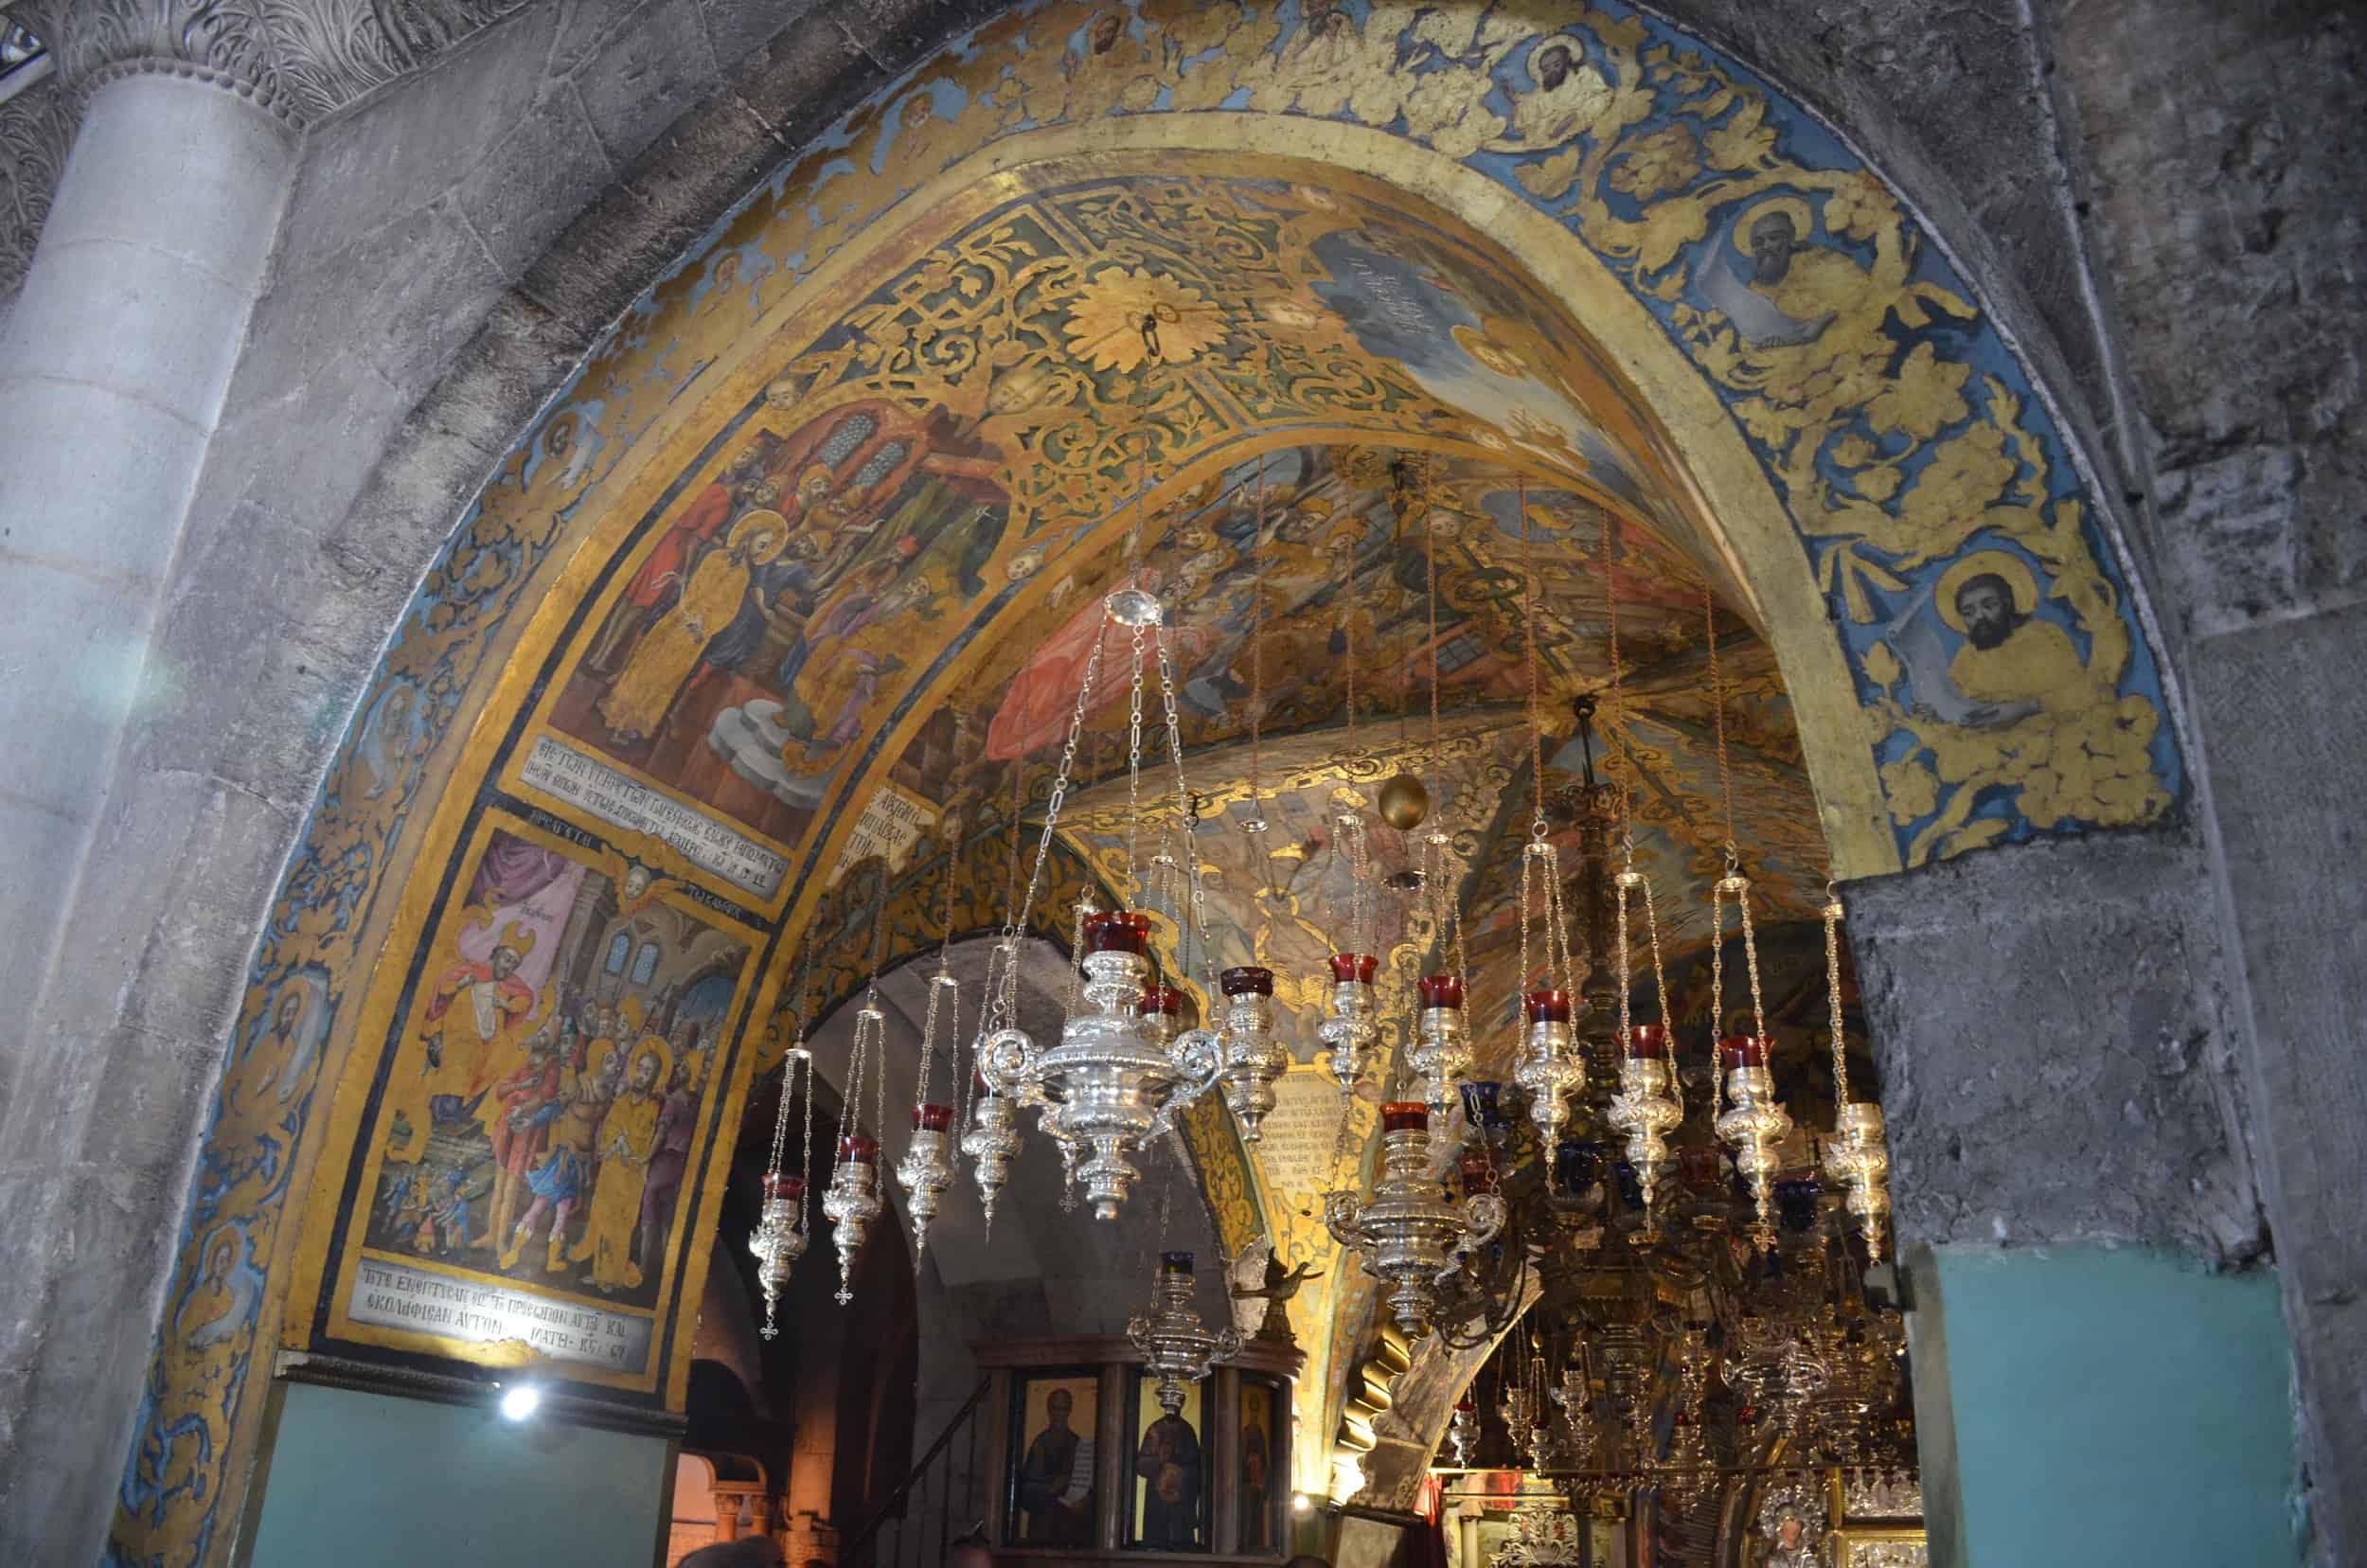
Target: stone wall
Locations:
point(2059, 1050)
point(2158, 195)
point(2219, 155)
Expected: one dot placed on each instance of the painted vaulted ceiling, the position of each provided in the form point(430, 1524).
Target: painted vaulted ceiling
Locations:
point(838, 656)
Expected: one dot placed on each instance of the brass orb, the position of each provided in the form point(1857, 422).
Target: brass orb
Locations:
point(1404, 803)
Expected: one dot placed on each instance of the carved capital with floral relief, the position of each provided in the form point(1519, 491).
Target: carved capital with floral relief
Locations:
point(300, 59)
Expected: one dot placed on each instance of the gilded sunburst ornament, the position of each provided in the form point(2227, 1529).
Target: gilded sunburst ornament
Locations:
point(1106, 328)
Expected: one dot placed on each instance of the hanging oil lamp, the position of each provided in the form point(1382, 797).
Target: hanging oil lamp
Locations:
point(1162, 1010)
point(991, 1138)
point(779, 1240)
point(1176, 1348)
point(1755, 1128)
point(1252, 1057)
point(851, 1202)
point(1547, 1064)
point(1110, 1085)
point(1351, 1030)
point(1857, 1156)
point(927, 1169)
point(1630, 1359)
point(1756, 1124)
point(1649, 1104)
point(1515, 1411)
point(924, 1172)
point(1540, 1436)
point(1440, 1054)
point(1688, 1463)
point(1860, 1161)
point(1410, 1231)
point(1646, 1110)
point(990, 1143)
point(1575, 1396)
point(1462, 1431)
point(1528, 1413)
point(1804, 1376)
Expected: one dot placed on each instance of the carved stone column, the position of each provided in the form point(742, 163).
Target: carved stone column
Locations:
point(113, 363)
point(186, 119)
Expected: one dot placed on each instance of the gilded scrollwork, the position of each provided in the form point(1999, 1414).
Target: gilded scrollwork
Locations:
point(1029, 327)
point(1856, 365)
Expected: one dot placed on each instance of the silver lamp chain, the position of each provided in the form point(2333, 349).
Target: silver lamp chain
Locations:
point(1196, 886)
point(1134, 762)
point(1003, 1004)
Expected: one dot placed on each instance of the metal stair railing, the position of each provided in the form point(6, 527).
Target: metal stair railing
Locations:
point(947, 1482)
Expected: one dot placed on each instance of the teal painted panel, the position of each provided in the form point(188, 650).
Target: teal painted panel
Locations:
point(373, 1481)
point(2107, 1407)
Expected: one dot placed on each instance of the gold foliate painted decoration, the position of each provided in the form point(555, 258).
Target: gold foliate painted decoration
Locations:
point(1027, 329)
point(1796, 288)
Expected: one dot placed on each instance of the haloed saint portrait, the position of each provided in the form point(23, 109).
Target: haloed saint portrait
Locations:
point(1052, 1474)
point(1169, 1500)
point(546, 1096)
point(1262, 1496)
point(769, 622)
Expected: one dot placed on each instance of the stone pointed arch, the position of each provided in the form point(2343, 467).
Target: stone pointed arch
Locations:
point(467, 615)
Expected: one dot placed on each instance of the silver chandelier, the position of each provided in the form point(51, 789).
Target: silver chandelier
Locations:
point(1121, 1072)
point(1175, 1347)
point(1410, 1233)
